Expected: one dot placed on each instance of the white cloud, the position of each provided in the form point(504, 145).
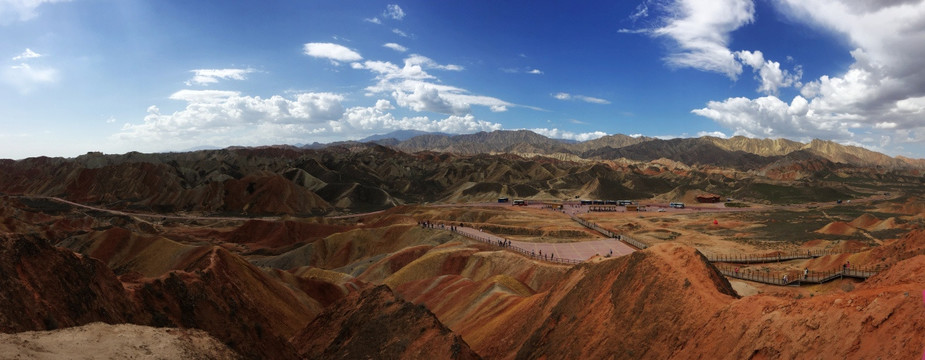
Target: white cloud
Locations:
point(21, 10)
point(25, 77)
point(331, 51)
point(588, 99)
point(701, 30)
point(535, 72)
point(395, 47)
point(203, 96)
point(427, 63)
point(568, 135)
point(400, 33)
point(880, 98)
point(592, 100)
point(394, 11)
point(642, 11)
point(228, 118)
point(27, 54)
point(411, 88)
point(717, 134)
point(373, 20)
point(211, 76)
point(770, 117)
point(770, 75)
point(224, 117)
point(360, 121)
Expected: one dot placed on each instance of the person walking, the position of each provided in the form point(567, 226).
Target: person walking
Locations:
point(805, 273)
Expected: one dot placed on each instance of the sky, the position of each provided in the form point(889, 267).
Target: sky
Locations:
point(161, 75)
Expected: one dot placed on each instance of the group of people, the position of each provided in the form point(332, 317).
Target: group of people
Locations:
point(548, 257)
point(429, 225)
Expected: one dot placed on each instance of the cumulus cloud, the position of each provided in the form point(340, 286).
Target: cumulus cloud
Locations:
point(769, 73)
point(535, 72)
point(588, 99)
point(333, 52)
point(213, 116)
point(228, 117)
point(878, 100)
point(701, 30)
point(370, 120)
point(555, 133)
point(770, 117)
point(395, 47)
point(399, 33)
point(412, 87)
point(21, 10)
point(212, 76)
point(27, 54)
point(717, 134)
point(394, 12)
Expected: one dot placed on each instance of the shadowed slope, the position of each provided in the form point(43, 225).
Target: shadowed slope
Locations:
point(377, 324)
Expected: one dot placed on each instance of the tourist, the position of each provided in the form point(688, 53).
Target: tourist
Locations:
point(805, 273)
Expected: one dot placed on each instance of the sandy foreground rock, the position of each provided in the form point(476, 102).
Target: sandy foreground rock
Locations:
point(104, 341)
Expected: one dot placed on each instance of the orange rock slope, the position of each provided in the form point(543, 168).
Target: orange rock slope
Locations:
point(669, 302)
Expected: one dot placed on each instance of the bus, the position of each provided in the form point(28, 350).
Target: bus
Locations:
point(676, 205)
point(519, 203)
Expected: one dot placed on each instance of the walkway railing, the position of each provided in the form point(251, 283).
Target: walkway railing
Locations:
point(529, 253)
point(795, 278)
point(590, 225)
point(774, 257)
point(724, 263)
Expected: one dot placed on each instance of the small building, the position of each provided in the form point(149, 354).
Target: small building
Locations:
point(624, 202)
point(708, 198)
point(584, 202)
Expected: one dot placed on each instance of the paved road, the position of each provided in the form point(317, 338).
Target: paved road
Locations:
point(579, 251)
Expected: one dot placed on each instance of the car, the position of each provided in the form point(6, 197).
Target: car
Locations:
point(661, 210)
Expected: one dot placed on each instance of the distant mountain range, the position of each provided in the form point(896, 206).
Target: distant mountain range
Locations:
point(361, 176)
point(738, 152)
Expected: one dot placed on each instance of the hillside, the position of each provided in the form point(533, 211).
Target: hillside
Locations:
point(367, 177)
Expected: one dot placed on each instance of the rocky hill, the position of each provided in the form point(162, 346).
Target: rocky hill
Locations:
point(366, 177)
point(103, 341)
point(527, 142)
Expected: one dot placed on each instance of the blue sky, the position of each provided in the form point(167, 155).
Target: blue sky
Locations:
point(159, 75)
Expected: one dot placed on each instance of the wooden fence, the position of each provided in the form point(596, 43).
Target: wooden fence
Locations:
point(525, 252)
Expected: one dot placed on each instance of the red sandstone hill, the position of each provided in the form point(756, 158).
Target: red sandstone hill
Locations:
point(45, 288)
point(375, 324)
point(364, 177)
point(669, 302)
